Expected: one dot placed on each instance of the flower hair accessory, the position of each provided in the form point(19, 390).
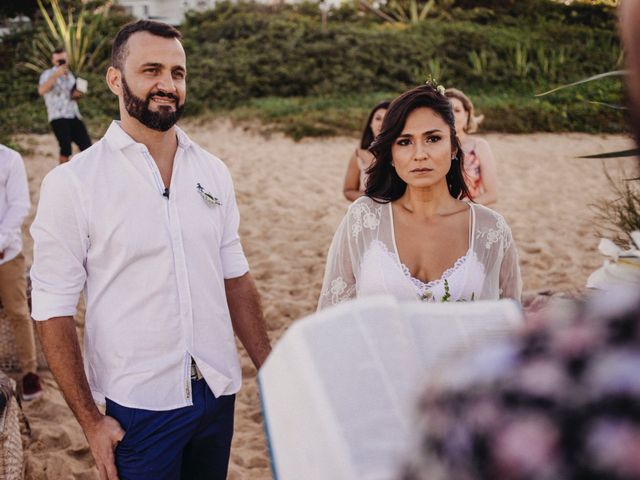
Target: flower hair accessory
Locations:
point(432, 82)
point(207, 197)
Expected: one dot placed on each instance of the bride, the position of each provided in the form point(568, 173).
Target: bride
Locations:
point(411, 235)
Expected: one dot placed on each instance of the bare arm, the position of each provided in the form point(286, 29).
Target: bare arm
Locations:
point(50, 83)
point(351, 187)
point(62, 351)
point(247, 318)
point(489, 174)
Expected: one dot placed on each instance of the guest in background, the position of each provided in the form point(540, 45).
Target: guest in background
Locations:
point(356, 177)
point(57, 86)
point(14, 206)
point(480, 164)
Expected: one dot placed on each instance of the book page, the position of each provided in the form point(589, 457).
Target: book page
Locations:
point(442, 330)
point(303, 437)
point(352, 375)
point(367, 363)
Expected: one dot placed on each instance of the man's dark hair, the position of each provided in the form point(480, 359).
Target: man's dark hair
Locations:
point(119, 49)
point(384, 184)
point(59, 50)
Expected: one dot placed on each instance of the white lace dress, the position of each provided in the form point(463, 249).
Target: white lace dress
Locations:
point(363, 260)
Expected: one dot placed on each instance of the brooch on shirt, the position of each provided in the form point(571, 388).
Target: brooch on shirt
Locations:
point(207, 197)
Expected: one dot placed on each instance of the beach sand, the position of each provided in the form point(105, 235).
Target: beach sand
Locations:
point(290, 199)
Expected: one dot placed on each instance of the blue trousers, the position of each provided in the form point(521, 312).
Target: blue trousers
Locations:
point(189, 443)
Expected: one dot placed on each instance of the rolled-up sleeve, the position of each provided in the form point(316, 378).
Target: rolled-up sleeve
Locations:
point(61, 240)
point(234, 263)
point(18, 203)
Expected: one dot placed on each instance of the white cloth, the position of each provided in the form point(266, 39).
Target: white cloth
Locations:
point(363, 260)
point(58, 100)
point(152, 268)
point(14, 202)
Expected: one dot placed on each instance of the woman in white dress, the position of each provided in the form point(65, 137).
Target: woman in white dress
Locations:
point(411, 235)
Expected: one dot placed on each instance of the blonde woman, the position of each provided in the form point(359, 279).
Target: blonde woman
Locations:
point(480, 165)
point(356, 177)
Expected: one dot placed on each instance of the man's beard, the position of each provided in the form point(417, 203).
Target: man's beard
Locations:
point(162, 120)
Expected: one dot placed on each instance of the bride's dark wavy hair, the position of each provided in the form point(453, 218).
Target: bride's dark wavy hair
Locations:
point(384, 184)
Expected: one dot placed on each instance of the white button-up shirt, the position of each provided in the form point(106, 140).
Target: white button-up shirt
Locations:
point(14, 202)
point(152, 268)
point(58, 100)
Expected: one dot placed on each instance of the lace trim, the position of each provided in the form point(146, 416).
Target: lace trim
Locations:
point(424, 286)
point(421, 286)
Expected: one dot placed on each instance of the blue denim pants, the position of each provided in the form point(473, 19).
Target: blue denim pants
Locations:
point(189, 443)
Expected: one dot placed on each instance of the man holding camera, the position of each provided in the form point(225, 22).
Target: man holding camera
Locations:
point(58, 87)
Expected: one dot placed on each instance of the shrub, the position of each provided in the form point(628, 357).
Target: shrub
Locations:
point(500, 51)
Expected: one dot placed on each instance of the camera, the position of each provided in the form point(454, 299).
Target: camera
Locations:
point(61, 62)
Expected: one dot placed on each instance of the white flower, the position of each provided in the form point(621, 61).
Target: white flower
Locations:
point(356, 228)
point(370, 221)
point(338, 286)
point(440, 89)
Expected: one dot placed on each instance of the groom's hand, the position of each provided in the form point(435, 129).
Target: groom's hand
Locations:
point(103, 437)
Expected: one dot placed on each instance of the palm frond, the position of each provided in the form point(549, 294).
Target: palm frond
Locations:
point(615, 73)
point(608, 105)
point(634, 152)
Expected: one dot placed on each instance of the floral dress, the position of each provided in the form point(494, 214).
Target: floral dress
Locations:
point(363, 260)
point(472, 172)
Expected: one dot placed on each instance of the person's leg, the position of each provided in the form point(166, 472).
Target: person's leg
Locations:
point(79, 134)
point(62, 130)
point(206, 456)
point(13, 293)
point(154, 440)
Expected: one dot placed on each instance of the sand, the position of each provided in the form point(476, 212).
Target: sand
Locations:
point(290, 199)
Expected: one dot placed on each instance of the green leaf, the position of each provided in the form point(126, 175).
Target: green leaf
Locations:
point(426, 9)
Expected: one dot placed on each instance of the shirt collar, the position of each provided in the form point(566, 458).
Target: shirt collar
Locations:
point(119, 139)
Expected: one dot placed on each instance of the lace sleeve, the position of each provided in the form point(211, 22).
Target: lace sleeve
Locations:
point(510, 279)
point(339, 280)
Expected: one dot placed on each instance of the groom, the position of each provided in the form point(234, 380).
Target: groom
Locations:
point(145, 222)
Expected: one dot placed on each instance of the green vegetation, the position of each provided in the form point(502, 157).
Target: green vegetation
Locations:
point(78, 34)
point(314, 116)
point(619, 216)
point(278, 64)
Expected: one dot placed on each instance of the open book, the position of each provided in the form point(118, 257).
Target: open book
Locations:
point(339, 389)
